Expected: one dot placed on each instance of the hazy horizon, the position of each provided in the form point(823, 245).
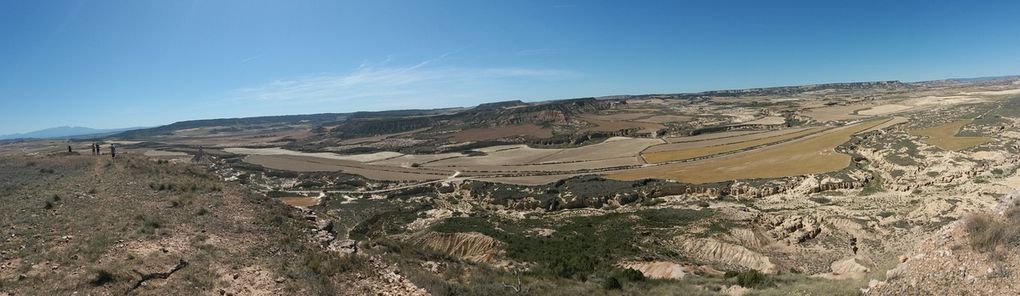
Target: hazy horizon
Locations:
point(148, 63)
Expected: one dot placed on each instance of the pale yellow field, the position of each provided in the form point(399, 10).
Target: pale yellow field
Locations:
point(410, 159)
point(704, 137)
point(707, 142)
point(812, 155)
point(326, 155)
point(517, 156)
point(548, 167)
point(894, 121)
point(665, 118)
point(681, 154)
point(833, 113)
point(615, 147)
point(944, 136)
point(497, 156)
point(884, 109)
point(771, 120)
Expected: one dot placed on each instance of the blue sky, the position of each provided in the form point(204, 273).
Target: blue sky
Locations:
point(108, 64)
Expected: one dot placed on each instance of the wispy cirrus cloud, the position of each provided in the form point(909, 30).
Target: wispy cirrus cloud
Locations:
point(425, 80)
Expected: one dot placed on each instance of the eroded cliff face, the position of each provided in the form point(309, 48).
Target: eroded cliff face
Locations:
point(724, 254)
point(554, 112)
point(470, 246)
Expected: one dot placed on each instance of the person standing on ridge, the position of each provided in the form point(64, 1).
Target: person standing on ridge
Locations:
point(68, 148)
point(113, 151)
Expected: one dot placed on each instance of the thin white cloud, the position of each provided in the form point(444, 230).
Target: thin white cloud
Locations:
point(421, 81)
point(534, 51)
point(251, 58)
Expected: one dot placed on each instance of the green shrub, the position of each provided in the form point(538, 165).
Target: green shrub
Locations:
point(631, 275)
point(611, 284)
point(752, 278)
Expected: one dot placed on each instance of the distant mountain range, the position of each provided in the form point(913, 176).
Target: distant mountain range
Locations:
point(66, 132)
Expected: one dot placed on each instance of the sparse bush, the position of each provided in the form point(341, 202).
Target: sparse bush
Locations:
point(328, 264)
point(721, 226)
point(149, 224)
point(431, 283)
point(48, 205)
point(752, 278)
point(821, 200)
point(183, 200)
point(611, 283)
point(202, 212)
point(102, 277)
point(988, 233)
point(631, 275)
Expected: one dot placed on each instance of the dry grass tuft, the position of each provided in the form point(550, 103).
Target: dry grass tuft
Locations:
point(988, 232)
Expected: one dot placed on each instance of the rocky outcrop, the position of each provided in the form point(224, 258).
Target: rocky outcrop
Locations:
point(849, 268)
point(792, 229)
point(658, 269)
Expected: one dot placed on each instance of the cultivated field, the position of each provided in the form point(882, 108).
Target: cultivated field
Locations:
point(770, 120)
point(688, 150)
point(884, 109)
point(811, 155)
point(615, 147)
point(709, 136)
point(836, 113)
point(665, 118)
point(326, 155)
point(944, 136)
